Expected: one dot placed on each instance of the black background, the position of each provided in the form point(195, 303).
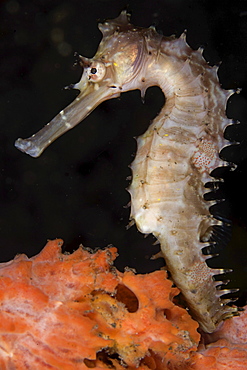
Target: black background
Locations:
point(76, 189)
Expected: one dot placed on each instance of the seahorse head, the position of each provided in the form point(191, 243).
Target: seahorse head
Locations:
point(118, 61)
point(120, 64)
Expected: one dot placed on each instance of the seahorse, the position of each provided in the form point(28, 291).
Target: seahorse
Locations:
point(175, 156)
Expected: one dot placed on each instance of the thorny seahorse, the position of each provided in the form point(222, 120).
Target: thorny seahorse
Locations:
point(175, 156)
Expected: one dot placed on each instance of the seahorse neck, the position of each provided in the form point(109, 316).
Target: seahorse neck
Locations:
point(178, 79)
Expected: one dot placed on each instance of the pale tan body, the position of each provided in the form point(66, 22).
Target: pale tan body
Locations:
point(175, 155)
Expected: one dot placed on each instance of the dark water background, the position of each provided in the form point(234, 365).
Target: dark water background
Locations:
point(76, 189)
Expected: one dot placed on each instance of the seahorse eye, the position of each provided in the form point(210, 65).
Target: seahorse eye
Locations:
point(96, 71)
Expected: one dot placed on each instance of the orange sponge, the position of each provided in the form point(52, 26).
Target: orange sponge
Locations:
point(77, 311)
